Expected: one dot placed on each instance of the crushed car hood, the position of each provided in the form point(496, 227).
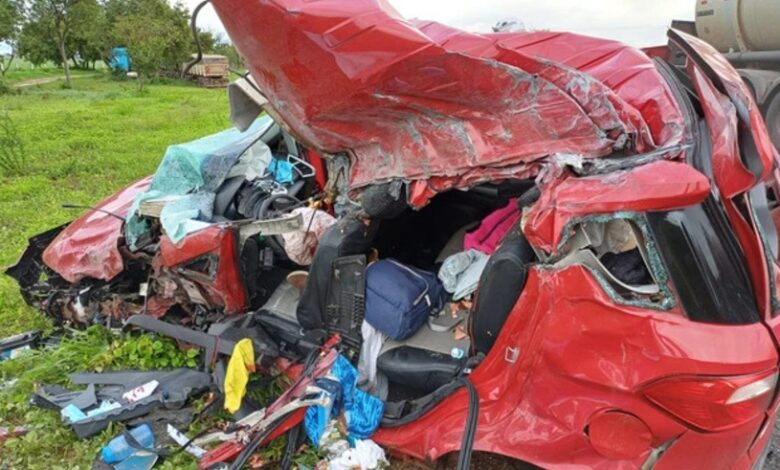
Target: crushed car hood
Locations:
point(442, 108)
point(89, 246)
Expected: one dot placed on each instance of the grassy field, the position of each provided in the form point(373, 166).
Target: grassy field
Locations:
point(21, 70)
point(80, 145)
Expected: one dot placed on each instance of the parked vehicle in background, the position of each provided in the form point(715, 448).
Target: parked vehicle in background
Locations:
point(212, 71)
point(747, 32)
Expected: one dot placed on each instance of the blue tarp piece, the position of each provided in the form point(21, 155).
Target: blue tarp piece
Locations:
point(281, 170)
point(362, 411)
point(120, 59)
point(192, 173)
point(317, 417)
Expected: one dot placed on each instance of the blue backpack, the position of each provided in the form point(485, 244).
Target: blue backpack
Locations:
point(400, 298)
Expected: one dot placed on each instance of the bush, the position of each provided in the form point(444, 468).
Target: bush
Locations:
point(6, 89)
point(146, 352)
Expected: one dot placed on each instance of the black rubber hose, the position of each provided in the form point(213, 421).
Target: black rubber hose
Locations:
point(470, 430)
point(293, 440)
point(194, 28)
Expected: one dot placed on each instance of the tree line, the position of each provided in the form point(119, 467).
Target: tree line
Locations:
point(82, 33)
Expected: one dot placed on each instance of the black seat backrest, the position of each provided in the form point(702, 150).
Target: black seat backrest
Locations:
point(500, 286)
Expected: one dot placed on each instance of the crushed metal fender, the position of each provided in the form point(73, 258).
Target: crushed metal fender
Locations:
point(660, 185)
point(89, 246)
point(440, 107)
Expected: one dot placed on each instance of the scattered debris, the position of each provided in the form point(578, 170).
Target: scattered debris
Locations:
point(10, 433)
point(91, 410)
point(364, 455)
point(13, 346)
point(138, 460)
point(182, 440)
point(361, 411)
point(127, 443)
point(567, 191)
point(241, 364)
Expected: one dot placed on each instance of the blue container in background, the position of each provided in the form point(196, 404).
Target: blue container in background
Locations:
point(120, 59)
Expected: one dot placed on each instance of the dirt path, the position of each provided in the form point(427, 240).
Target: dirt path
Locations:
point(43, 81)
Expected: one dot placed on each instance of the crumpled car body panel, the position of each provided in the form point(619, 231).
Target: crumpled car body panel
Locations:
point(619, 73)
point(224, 283)
point(581, 354)
point(89, 246)
point(659, 185)
point(356, 77)
point(743, 153)
point(439, 107)
point(444, 109)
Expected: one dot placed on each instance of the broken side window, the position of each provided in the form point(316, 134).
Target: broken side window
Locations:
point(617, 250)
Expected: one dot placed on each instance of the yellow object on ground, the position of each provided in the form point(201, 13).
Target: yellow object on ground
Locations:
point(241, 363)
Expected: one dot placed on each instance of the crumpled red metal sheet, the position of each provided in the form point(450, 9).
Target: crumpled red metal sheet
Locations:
point(729, 172)
point(219, 242)
point(89, 246)
point(620, 85)
point(739, 93)
point(580, 353)
point(354, 76)
point(661, 185)
point(728, 103)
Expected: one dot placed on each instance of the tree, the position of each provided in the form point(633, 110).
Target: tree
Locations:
point(10, 20)
point(223, 47)
point(156, 34)
point(57, 23)
point(88, 45)
point(207, 42)
point(157, 38)
point(35, 46)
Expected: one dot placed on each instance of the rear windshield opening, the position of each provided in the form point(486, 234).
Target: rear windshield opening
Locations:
point(705, 263)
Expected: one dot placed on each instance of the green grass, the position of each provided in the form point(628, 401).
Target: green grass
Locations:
point(81, 145)
point(21, 70)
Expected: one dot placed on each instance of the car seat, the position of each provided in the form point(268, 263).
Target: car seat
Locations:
point(424, 362)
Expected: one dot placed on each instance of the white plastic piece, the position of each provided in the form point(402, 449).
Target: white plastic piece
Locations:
point(366, 455)
point(182, 440)
point(141, 392)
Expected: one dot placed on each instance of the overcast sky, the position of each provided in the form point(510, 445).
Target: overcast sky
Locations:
point(636, 22)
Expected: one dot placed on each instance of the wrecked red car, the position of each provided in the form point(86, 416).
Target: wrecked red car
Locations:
point(626, 318)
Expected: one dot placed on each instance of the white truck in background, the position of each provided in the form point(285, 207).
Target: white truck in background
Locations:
point(747, 32)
